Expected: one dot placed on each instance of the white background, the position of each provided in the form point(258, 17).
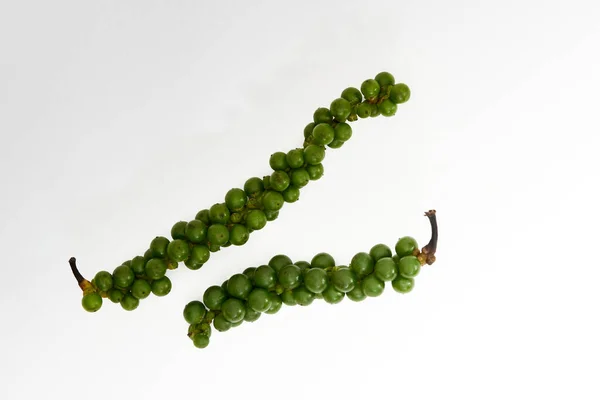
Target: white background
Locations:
point(118, 120)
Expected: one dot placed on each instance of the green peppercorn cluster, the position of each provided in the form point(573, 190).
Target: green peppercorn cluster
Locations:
point(246, 209)
point(264, 289)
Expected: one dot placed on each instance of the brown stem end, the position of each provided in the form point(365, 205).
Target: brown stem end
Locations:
point(427, 255)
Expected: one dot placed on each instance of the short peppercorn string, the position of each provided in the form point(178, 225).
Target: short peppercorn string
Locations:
point(263, 289)
point(245, 209)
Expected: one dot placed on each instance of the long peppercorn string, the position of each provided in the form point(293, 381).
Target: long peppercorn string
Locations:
point(245, 209)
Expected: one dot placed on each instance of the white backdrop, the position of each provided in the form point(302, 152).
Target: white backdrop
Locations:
point(120, 118)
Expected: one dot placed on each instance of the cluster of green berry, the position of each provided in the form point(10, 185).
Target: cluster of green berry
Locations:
point(263, 289)
point(244, 210)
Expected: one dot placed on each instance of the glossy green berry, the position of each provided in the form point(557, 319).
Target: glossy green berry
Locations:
point(335, 144)
point(201, 341)
point(314, 154)
point(194, 312)
point(343, 132)
point(129, 303)
point(178, 250)
point(103, 281)
point(303, 296)
point(233, 310)
point(279, 261)
point(363, 110)
point(370, 89)
point(357, 294)
point(372, 286)
point(278, 162)
point(275, 302)
point(272, 200)
point(332, 295)
point(158, 246)
point(409, 266)
point(362, 264)
point(402, 284)
point(280, 180)
point(374, 112)
point(161, 287)
point(91, 302)
point(239, 286)
point(178, 230)
point(271, 215)
point(219, 213)
point(406, 246)
point(259, 300)
point(195, 231)
point(315, 171)
point(249, 272)
point(123, 276)
point(386, 269)
point(323, 134)
point(308, 130)
point(315, 280)
point(379, 251)
point(265, 277)
point(287, 297)
point(115, 295)
point(300, 177)
point(221, 324)
point(238, 235)
point(322, 115)
point(138, 265)
point(353, 95)
point(199, 255)
point(343, 279)
point(399, 93)
point(254, 186)
point(341, 109)
point(202, 215)
point(295, 158)
point(387, 108)
point(218, 234)
point(322, 260)
point(251, 315)
point(385, 79)
point(140, 289)
point(235, 199)
point(213, 297)
point(256, 220)
point(302, 265)
point(291, 194)
point(290, 276)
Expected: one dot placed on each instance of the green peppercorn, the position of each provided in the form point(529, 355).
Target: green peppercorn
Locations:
point(406, 246)
point(219, 213)
point(233, 310)
point(340, 109)
point(343, 132)
point(362, 264)
point(385, 79)
point(370, 89)
point(256, 220)
point(279, 181)
point(178, 250)
point(155, 268)
point(357, 294)
point(123, 276)
point(238, 235)
point(140, 289)
point(272, 201)
point(300, 177)
point(158, 246)
point(213, 297)
point(218, 234)
point(235, 199)
point(295, 158)
point(315, 172)
point(314, 154)
point(343, 279)
point(129, 303)
point(239, 286)
point(409, 266)
point(91, 302)
point(332, 296)
point(138, 264)
point(265, 277)
point(322, 115)
point(379, 251)
point(315, 280)
point(253, 187)
point(386, 269)
point(291, 194)
point(289, 276)
point(352, 94)
point(322, 260)
point(278, 162)
point(387, 108)
point(178, 230)
point(372, 286)
point(194, 312)
point(103, 281)
point(195, 231)
point(402, 284)
point(161, 287)
point(322, 134)
point(399, 93)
